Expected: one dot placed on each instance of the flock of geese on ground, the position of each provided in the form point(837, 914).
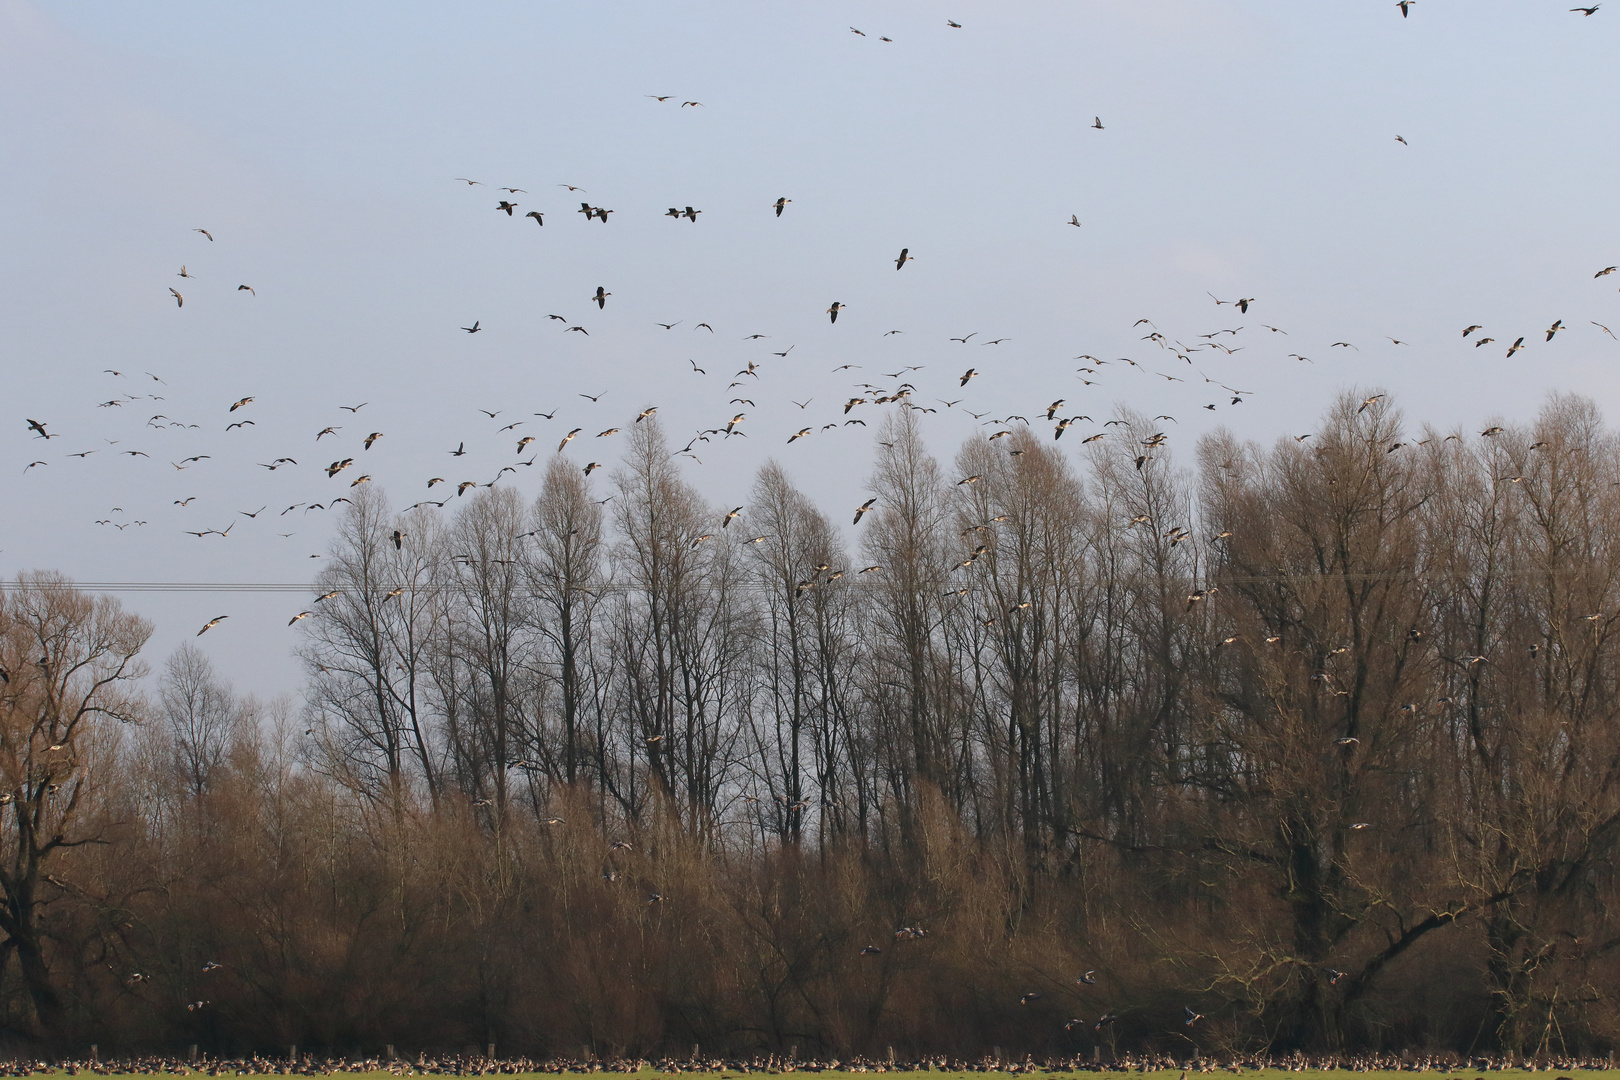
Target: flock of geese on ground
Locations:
point(312, 1064)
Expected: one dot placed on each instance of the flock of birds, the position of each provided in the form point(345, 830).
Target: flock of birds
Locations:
point(1446, 1066)
point(350, 469)
point(1170, 356)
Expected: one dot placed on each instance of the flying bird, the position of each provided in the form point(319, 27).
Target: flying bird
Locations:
point(832, 311)
point(780, 205)
point(179, 301)
point(905, 257)
point(474, 328)
point(861, 510)
point(211, 624)
point(601, 296)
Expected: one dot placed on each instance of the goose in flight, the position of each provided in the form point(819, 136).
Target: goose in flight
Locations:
point(905, 257)
point(539, 219)
point(206, 233)
point(780, 205)
point(1074, 219)
point(211, 624)
point(601, 297)
point(507, 206)
point(179, 301)
point(474, 328)
point(861, 510)
point(832, 311)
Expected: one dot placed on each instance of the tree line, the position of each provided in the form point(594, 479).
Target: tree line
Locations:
point(1306, 746)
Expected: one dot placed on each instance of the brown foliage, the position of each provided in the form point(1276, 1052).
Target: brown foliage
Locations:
point(1320, 741)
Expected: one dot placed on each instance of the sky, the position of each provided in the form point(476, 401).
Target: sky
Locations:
point(1247, 150)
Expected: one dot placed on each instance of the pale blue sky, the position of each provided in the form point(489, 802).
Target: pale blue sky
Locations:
point(1249, 150)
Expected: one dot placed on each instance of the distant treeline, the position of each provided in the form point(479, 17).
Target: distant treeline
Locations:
point(1314, 746)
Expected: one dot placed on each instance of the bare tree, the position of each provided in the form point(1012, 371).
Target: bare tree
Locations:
point(68, 663)
point(201, 713)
